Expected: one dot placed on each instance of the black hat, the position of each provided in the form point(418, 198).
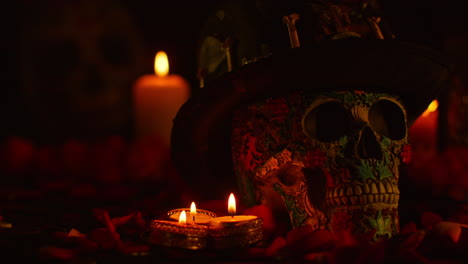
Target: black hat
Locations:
point(202, 127)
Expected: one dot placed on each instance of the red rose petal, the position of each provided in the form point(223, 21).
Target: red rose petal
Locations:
point(316, 257)
point(429, 219)
point(413, 241)
point(344, 238)
point(317, 240)
point(57, 253)
point(256, 252)
point(449, 230)
point(409, 228)
point(275, 246)
point(102, 237)
point(298, 233)
point(118, 221)
point(135, 249)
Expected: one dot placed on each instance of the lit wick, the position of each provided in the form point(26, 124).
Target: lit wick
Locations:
point(193, 211)
point(232, 205)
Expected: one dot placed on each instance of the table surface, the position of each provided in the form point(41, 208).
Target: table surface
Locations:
point(37, 216)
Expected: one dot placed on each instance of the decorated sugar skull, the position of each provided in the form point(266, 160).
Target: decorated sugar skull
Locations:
point(317, 132)
point(331, 160)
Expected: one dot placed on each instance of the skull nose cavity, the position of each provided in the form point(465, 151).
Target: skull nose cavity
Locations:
point(368, 147)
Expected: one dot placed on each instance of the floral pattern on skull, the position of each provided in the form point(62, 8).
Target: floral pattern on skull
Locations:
point(329, 160)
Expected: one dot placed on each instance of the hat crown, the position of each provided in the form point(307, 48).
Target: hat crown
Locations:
point(243, 32)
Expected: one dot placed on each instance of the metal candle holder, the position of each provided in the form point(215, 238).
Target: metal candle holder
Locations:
point(197, 237)
point(172, 234)
point(240, 234)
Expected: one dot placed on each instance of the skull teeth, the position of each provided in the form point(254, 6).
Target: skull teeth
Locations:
point(344, 200)
point(366, 188)
point(382, 188)
point(366, 193)
point(363, 199)
point(357, 190)
point(388, 186)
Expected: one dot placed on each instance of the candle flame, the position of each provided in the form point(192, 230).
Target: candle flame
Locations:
point(431, 108)
point(183, 218)
point(161, 64)
point(232, 205)
point(193, 209)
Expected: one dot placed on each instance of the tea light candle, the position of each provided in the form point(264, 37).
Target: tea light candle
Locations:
point(232, 219)
point(235, 230)
point(157, 99)
point(197, 216)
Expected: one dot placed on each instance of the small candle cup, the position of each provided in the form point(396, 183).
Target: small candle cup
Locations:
point(172, 234)
point(202, 217)
point(235, 231)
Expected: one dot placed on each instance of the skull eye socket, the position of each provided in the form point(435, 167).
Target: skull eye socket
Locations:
point(327, 122)
point(388, 119)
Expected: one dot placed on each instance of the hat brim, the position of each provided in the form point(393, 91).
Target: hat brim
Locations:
point(201, 131)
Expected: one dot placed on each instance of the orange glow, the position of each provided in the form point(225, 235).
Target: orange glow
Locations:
point(232, 205)
point(193, 209)
point(183, 218)
point(161, 64)
point(431, 108)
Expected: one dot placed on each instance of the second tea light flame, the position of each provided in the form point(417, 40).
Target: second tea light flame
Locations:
point(232, 205)
point(183, 218)
point(193, 211)
point(161, 64)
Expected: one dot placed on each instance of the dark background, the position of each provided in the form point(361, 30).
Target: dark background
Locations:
point(173, 26)
point(40, 163)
